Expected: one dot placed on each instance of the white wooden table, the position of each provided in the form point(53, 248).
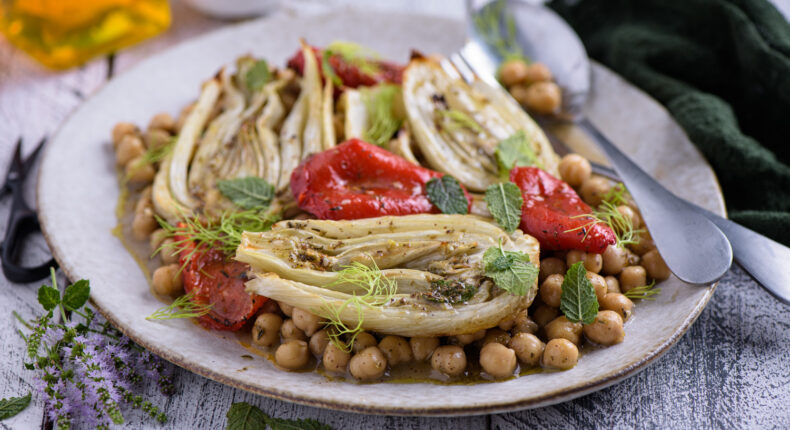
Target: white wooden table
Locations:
point(731, 370)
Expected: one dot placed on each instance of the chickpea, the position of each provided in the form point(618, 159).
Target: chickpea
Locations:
point(645, 243)
point(155, 240)
point(599, 283)
point(162, 121)
point(612, 285)
point(169, 253)
point(632, 258)
point(156, 138)
point(496, 335)
point(121, 130)
point(498, 360)
point(129, 148)
point(551, 266)
point(618, 303)
point(167, 281)
point(270, 307)
point(543, 97)
point(396, 349)
point(466, 339)
point(614, 259)
point(561, 328)
point(286, 309)
point(513, 72)
point(335, 360)
point(574, 169)
point(144, 223)
point(138, 171)
point(631, 214)
point(607, 329)
point(423, 347)
point(560, 354)
point(593, 190)
point(368, 364)
point(507, 322)
point(655, 266)
point(449, 359)
point(292, 355)
point(544, 314)
point(362, 341)
point(538, 72)
point(524, 323)
point(574, 256)
point(266, 331)
point(289, 331)
point(631, 277)
point(318, 342)
point(306, 321)
point(528, 348)
point(592, 262)
point(551, 290)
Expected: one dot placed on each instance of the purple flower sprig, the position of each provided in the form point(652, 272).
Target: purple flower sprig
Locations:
point(85, 368)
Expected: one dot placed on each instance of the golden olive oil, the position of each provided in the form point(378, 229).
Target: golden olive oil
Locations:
point(65, 33)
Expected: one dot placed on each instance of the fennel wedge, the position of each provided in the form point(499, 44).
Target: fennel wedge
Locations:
point(458, 126)
point(298, 262)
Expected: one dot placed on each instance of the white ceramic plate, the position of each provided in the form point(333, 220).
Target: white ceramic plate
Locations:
point(78, 192)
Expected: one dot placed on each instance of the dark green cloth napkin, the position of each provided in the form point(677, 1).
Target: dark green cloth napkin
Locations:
point(722, 69)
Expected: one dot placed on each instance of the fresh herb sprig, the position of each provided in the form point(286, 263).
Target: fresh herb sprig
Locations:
point(182, 307)
point(382, 122)
point(644, 292)
point(513, 152)
point(86, 369)
point(244, 416)
point(578, 301)
point(504, 201)
point(511, 271)
point(247, 193)
point(447, 195)
point(379, 291)
point(13, 405)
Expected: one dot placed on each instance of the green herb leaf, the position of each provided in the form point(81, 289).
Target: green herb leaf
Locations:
point(244, 416)
point(504, 201)
point(327, 69)
point(48, 297)
point(258, 75)
point(248, 193)
point(510, 270)
point(182, 307)
point(515, 151)
point(382, 123)
point(13, 405)
point(364, 58)
point(644, 292)
point(579, 302)
point(446, 193)
point(454, 119)
point(76, 295)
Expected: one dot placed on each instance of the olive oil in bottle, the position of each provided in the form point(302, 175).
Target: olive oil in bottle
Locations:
point(65, 33)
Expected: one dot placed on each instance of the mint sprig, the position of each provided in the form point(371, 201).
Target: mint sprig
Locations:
point(247, 193)
point(515, 151)
point(510, 270)
point(578, 302)
point(244, 416)
point(504, 201)
point(446, 193)
point(13, 405)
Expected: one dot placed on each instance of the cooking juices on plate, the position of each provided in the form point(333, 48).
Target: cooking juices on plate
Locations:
point(372, 217)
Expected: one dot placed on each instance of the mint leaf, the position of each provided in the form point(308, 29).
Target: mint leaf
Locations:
point(515, 151)
point(76, 295)
point(48, 297)
point(578, 302)
point(258, 75)
point(13, 405)
point(247, 193)
point(446, 193)
point(244, 416)
point(504, 202)
point(510, 270)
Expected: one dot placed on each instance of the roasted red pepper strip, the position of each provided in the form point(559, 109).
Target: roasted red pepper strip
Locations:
point(214, 279)
point(554, 214)
point(350, 74)
point(359, 180)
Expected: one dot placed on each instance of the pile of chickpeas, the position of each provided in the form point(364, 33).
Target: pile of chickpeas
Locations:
point(531, 85)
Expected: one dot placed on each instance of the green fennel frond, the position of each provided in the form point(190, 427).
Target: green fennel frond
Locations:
point(378, 292)
point(645, 292)
point(607, 213)
point(182, 307)
point(382, 122)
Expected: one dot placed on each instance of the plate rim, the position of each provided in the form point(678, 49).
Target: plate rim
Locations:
point(553, 397)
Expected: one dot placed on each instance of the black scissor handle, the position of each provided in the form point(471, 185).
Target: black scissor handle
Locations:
point(20, 225)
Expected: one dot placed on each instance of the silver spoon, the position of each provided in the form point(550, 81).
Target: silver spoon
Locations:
point(693, 247)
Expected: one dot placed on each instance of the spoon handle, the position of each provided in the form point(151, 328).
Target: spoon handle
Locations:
point(693, 247)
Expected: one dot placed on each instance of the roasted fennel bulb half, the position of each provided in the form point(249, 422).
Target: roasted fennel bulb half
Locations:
point(417, 275)
point(240, 127)
point(457, 126)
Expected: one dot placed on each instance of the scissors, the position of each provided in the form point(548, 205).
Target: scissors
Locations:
point(22, 220)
